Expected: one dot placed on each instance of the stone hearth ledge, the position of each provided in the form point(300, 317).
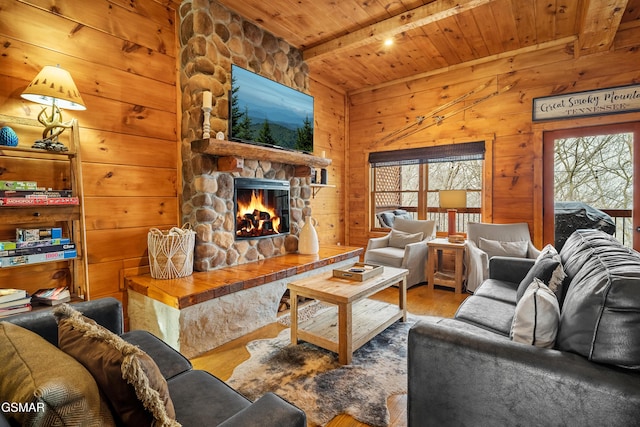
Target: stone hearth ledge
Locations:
point(198, 313)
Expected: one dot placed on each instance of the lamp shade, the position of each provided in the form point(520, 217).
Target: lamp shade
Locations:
point(452, 199)
point(54, 85)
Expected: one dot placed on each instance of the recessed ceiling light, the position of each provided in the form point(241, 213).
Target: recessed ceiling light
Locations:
point(388, 42)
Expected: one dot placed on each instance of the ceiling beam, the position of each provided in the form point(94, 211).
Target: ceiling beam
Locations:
point(473, 63)
point(378, 32)
point(599, 25)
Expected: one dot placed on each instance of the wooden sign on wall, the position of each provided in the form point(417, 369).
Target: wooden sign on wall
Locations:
point(622, 99)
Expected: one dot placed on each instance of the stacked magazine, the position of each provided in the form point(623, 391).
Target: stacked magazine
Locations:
point(13, 301)
point(51, 296)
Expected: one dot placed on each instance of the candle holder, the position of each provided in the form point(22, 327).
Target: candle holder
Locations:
point(206, 126)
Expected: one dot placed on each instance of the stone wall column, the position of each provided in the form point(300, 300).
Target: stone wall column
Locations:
point(212, 37)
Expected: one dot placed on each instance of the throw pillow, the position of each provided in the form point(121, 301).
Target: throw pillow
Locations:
point(536, 317)
point(128, 377)
point(53, 386)
point(425, 226)
point(400, 239)
point(386, 219)
point(556, 283)
point(497, 248)
point(543, 270)
point(548, 251)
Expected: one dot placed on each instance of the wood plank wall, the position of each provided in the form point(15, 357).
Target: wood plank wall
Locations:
point(328, 205)
point(516, 177)
point(122, 56)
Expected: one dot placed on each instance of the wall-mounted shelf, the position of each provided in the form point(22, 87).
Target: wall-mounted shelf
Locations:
point(236, 152)
point(317, 187)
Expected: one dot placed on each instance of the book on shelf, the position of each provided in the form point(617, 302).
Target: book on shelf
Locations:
point(5, 312)
point(37, 234)
point(38, 201)
point(7, 245)
point(16, 303)
point(51, 296)
point(39, 249)
point(18, 185)
point(36, 193)
point(12, 261)
point(9, 294)
point(19, 201)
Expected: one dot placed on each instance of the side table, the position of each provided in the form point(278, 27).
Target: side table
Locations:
point(435, 273)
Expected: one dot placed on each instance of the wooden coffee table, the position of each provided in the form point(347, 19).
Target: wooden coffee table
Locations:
point(358, 319)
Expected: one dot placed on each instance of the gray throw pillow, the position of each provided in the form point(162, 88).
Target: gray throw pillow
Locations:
point(556, 283)
point(497, 248)
point(400, 239)
point(543, 269)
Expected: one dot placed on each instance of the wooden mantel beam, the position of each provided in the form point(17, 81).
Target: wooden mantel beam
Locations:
point(234, 153)
point(599, 25)
point(378, 32)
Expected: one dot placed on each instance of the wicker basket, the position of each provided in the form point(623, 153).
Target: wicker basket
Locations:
point(171, 252)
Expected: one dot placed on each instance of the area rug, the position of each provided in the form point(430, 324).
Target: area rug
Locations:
point(306, 312)
point(312, 379)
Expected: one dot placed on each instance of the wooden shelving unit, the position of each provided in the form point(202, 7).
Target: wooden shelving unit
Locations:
point(22, 164)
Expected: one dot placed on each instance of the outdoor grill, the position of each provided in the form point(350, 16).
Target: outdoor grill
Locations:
point(572, 216)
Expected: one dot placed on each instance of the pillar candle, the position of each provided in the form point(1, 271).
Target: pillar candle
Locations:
point(206, 99)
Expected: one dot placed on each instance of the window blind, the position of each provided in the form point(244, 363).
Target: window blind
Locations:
point(434, 154)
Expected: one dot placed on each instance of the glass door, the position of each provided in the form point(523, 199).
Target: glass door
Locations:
point(590, 182)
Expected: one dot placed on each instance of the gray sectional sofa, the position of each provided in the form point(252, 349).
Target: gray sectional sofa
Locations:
point(467, 371)
point(199, 398)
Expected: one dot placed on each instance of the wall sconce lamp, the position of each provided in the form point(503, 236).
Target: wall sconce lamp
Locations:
point(451, 200)
point(54, 87)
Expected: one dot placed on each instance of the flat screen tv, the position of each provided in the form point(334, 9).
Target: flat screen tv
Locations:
point(265, 112)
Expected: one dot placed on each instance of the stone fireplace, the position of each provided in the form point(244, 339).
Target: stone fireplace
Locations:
point(213, 214)
point(213, 37)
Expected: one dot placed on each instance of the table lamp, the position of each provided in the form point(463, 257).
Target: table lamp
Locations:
point(53, 86)
point(451, 200)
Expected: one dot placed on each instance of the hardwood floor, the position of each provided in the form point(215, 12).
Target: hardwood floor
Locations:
point(420, 301)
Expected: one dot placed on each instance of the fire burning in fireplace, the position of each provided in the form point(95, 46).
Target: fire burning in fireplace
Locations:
point(255, 219)
point(262, 207)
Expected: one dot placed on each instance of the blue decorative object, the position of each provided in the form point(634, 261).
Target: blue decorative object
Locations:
point(8, 137)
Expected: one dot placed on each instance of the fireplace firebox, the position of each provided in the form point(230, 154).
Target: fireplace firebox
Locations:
point(261, 208)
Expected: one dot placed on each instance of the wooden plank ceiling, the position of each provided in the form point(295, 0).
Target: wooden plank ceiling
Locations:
point(343, 41)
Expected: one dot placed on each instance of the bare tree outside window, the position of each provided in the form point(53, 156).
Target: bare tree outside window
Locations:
point(462, 175)
point(596, 170)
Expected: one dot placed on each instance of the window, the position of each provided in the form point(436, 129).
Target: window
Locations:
point(397, 188)
point(409, 180)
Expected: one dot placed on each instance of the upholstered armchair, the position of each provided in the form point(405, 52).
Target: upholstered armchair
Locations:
point(405, 247)
point(487, 240)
